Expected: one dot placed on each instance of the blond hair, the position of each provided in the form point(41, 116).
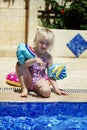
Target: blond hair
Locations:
point(44, 34)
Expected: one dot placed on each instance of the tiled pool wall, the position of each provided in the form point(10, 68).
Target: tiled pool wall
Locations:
point(43, 116)
point(43, 108)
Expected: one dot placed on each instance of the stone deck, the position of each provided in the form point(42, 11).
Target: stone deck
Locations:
point(75, 84)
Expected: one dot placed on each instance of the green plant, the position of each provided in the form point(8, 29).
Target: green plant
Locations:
point(72, 17)
point(76, 15)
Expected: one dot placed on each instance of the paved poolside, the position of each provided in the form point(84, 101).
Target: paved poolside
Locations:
point(75, 84)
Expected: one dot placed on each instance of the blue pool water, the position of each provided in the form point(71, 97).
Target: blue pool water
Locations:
point(43, 116)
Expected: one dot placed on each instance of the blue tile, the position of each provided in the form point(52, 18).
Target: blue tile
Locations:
point(77, 45)
point(43, 115)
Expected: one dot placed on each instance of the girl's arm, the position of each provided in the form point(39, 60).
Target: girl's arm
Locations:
point(31, 61)
point(54, 82)
point(55, 87)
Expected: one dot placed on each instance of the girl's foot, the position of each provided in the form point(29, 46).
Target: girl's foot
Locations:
point(24, 93)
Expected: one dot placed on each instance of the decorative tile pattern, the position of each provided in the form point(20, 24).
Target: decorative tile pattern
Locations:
point(75, 90)
point(19, 89)
point(77, 45)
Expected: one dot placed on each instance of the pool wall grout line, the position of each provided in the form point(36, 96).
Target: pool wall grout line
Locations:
point(10, 89)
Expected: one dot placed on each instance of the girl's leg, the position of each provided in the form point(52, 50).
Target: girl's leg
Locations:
point(43, 88)
point(24, 77)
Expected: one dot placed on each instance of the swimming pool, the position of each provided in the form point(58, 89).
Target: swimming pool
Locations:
point(43, 116)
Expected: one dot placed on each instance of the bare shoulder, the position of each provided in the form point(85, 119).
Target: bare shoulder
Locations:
point(49, 59)
point(49, 56)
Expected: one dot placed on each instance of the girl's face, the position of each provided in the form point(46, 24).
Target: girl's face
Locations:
point(43, 45)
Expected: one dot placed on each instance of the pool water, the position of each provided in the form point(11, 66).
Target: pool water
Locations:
point(43, 116)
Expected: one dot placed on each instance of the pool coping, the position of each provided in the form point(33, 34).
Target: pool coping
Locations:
point(75, 84)
point(32, 97)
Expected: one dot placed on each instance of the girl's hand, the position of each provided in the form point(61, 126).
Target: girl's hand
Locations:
point(56, 89)
point(60, 92)
point(40, 62)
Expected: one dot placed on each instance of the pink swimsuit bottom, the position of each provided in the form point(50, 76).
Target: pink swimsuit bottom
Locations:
point(37, 73)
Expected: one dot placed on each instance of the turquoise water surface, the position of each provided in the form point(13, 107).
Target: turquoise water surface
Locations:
point(43, 116)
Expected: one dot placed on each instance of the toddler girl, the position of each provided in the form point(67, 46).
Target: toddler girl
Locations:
point(33, 73)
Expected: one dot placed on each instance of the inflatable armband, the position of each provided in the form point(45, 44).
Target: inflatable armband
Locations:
point(57, 71)
point(24, 52)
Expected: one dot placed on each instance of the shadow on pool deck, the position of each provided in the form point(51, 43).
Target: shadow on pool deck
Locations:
point(75, 84)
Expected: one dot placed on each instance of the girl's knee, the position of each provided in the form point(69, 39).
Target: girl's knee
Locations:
point(43, 88)
point(45, 92)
